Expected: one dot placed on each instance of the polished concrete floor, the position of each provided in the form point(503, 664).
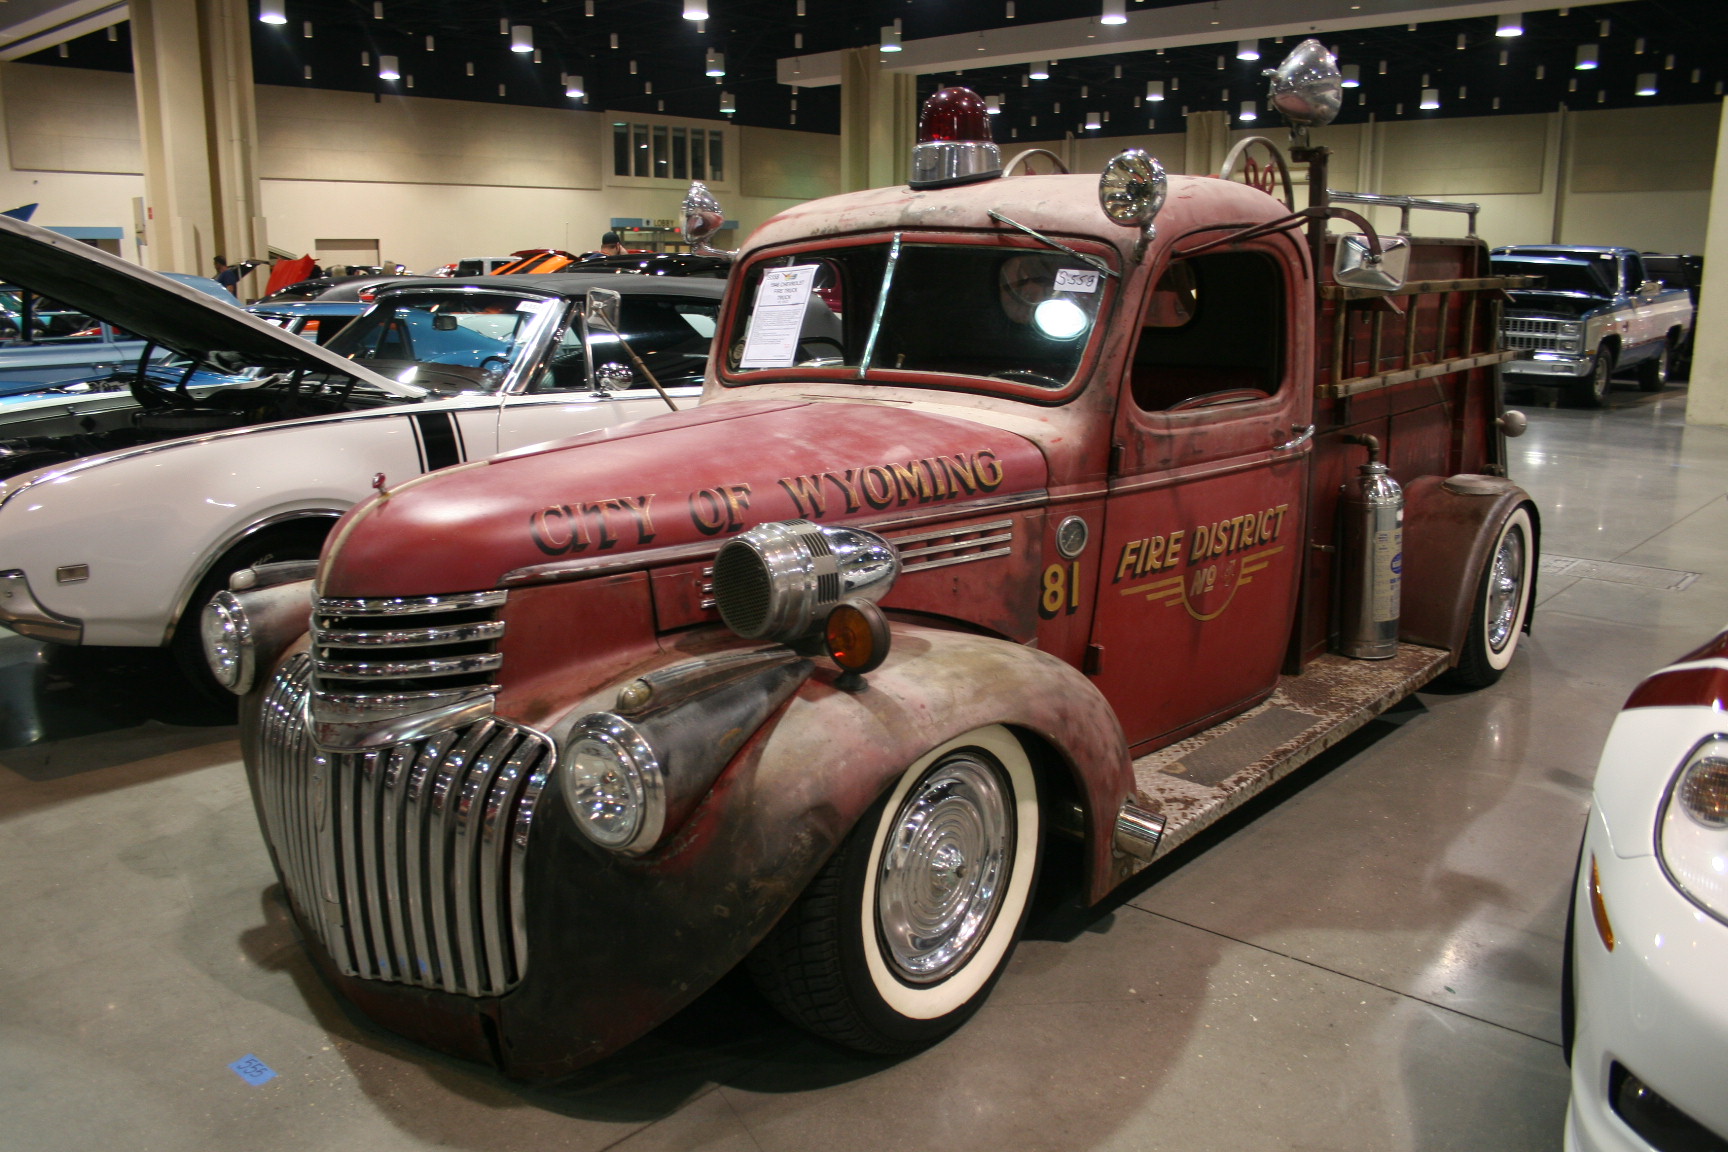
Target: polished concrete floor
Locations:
point(1367, 960)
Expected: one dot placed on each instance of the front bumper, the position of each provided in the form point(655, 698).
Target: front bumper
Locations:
point(1552, 364)
point(1656, 1005)
point(21, 612)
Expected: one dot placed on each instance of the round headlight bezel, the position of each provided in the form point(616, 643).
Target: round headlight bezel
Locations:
point(226, 635)
point(607, 741)
point(1691, 835)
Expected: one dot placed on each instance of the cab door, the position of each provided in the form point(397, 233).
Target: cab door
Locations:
point(1204, 518)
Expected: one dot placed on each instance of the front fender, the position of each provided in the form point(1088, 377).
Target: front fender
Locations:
point(617, 945)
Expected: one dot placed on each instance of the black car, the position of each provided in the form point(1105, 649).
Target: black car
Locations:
point(657, 264)
point(334, 289)
point(1679, 270)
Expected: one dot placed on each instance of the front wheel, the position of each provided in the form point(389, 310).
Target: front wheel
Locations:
point(900, 937)
point(1592, 391)
point(1502, 599)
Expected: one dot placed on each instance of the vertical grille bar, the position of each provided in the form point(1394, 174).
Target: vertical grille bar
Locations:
point(405, 861)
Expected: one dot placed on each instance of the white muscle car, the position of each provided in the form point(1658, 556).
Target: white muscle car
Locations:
point(1645, 1015)
point(137, 505)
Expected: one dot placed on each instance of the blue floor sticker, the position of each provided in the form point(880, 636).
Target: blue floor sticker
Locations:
point(253, 1070)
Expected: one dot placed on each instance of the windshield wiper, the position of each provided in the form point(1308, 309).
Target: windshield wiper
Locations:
point(1056, 244)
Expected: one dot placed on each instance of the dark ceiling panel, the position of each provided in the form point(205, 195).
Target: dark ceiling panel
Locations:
point(657, 65)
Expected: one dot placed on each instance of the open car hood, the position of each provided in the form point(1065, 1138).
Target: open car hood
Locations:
point(155, 308)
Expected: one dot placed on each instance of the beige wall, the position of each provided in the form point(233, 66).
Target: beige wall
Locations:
point(434, 180)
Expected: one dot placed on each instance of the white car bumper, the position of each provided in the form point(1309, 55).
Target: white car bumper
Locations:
point(1655, 1008)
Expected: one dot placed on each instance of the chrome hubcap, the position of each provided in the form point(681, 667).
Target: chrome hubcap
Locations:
point(946, 858)
point(1505, 584)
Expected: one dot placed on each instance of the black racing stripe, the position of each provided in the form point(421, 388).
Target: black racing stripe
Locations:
point(438, 437)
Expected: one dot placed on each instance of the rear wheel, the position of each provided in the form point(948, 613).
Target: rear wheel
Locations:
point(1592, 391)
point(900, 937)
point(1653, 373)
point(1502, 599)
point(299, 541)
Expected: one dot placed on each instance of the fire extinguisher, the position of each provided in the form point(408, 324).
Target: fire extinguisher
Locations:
point(1373, 516)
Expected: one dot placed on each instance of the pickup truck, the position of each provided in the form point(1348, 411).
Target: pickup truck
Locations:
point(1021, 515)
point(1590, 314)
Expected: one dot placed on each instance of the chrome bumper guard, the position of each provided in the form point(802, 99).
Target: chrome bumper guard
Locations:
point(20, 612)
point(406, 861)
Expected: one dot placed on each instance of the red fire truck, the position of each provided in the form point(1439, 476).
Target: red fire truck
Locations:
point(1019, 511)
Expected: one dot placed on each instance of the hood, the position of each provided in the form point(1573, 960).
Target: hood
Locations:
point(686, 478)
point(155, 308)
point(1570, 305)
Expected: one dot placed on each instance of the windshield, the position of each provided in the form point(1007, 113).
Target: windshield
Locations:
point(1018, 314)
point(1559, 276)
point(451, 341)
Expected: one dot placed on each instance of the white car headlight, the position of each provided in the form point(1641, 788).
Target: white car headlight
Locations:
point(1692, 832)
point(613, 784)
point(228, 642)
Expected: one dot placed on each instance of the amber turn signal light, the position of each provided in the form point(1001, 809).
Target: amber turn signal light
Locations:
point(857, 636)
point(1598, 909)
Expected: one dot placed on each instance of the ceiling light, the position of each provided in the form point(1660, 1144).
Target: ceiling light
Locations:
point(1586, 57)
point(716, 63)
point(1115, 12)
point(587, 7)
point(431, 45)
point(1461, 42)
point(1638, 46)
point(1248, 50)
point(306, 29)
point(573, 87)
point(890, 37)
point(727, 104)
point(270, 12)
point(1646, 84)
point(521, 38)
point(695, 9)
point(387, 68)
point(614, 41)
point(1039, 70)
point(503, 25)
point(1249, 111)
point(1430, 98)
point(470, 67)
point(306, 72)
point(377, 9)
point(1509, 24)
point(1154, 89)
point(1093, 123)
point(1352, 76)
point(993, 105)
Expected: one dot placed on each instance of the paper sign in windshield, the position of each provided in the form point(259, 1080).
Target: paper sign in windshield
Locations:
point(1076, 280)
point(778, 318)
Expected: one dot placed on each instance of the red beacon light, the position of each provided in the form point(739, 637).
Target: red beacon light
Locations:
point(954, 141)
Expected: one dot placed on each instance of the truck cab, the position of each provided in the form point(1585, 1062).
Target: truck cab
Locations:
point(1020, 514)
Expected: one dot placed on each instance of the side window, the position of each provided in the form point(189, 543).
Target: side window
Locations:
point(1212, 333)
point(671, 336)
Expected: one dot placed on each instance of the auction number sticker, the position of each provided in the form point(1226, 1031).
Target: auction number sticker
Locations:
point(1076, 280)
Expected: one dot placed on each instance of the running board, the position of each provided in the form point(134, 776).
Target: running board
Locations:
point(1191, 784)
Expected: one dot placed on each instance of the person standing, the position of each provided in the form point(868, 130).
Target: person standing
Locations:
point(228, 277)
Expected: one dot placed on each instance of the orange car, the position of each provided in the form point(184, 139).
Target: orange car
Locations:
point(538, 260)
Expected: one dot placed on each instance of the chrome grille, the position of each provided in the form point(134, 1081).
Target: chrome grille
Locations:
point(957, 545)
point(1525, 326)
point(429, 648)
point(407, 860)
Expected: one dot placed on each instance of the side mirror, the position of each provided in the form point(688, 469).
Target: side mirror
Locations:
point(444, 322)
point(602, 308)
point(1356, 266)
point(613, 377)
point(1650, 287)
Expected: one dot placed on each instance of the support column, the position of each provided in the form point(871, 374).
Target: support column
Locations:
point(1208, 142)
point(878, 122)
point(192, 62)
point(1707, 391)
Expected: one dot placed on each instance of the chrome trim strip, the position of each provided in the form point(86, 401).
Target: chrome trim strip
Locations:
point(926, 565)
point(408, 669)
point(941, 533)
point(881, 307)
point(416, 638)
point(405, 605)
point(953, 545)
point(21, 612)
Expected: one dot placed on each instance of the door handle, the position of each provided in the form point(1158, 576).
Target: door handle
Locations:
point(1302, 435)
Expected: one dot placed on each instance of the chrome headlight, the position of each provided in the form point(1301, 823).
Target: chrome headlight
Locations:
point(613, 784)
point(778, 581)
point(229, 646)
point(1692, 832)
